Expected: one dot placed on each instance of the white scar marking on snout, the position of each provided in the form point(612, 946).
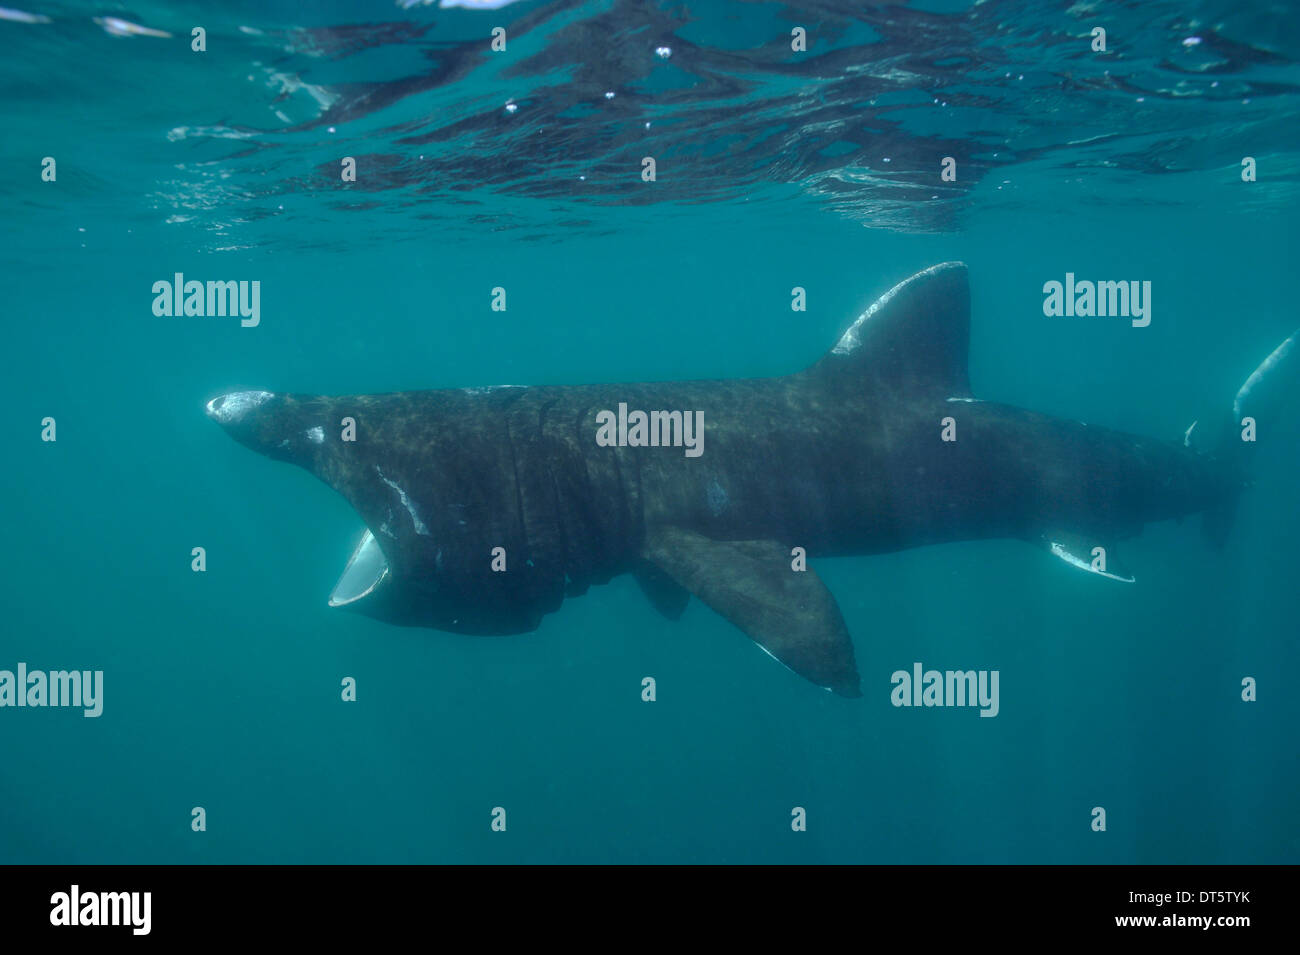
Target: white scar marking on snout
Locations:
point(969, 401)
point(236, 404)
point(420, 527)
point(316, 435)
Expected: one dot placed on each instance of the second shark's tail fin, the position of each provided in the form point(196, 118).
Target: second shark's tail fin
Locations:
point(1257, 402)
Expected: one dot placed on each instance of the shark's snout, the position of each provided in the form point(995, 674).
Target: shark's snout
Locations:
point(232, 408)
point(281, 428)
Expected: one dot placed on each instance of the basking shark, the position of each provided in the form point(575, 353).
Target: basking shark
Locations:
point(486, 507)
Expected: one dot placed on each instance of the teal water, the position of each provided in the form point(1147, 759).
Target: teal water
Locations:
point(222, 689)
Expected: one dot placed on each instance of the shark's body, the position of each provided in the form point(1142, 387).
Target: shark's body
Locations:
point(878, 447)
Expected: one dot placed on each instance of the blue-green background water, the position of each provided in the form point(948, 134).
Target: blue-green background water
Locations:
point(222, 688)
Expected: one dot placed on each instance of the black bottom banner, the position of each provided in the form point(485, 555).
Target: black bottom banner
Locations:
point(334, 904)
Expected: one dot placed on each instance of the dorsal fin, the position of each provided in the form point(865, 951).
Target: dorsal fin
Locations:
point(916, 336)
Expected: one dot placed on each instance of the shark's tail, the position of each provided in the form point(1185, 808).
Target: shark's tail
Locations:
point(1258, 400)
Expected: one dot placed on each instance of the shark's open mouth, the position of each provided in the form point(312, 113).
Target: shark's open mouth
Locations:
point(365, 571)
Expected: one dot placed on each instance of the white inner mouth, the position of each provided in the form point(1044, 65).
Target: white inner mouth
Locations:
point(365, 571)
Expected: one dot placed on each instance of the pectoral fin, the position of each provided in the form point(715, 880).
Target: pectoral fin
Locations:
point(1085, 553)
point(788, 613)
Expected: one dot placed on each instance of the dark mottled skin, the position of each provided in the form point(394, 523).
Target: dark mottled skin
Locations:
point(842, 458)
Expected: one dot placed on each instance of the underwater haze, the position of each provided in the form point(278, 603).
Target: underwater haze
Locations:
point(1168, 703)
